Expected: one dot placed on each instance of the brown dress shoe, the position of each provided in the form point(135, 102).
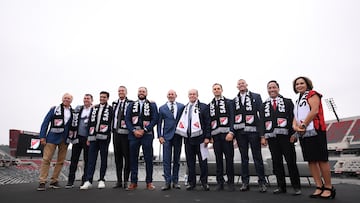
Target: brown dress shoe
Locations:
point(150, 186)
point(131, 187)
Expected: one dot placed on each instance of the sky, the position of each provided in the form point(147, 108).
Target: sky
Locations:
point(48, 48)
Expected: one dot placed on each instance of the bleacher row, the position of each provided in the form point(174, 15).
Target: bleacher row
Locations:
point(337, 131)
point(25, 171)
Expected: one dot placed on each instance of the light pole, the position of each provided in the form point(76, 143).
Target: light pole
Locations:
point(332, 107)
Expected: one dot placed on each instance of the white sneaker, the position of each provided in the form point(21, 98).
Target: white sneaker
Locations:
point(87, 185)
point(101, 184)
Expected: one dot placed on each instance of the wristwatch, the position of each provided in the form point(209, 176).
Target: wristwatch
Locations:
point(303, 125)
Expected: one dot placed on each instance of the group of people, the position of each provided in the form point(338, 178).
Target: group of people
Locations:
point(245, 120)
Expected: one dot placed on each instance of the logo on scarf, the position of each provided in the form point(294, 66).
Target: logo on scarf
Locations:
point(238, 118)
point(58, 122)
point(249, 119)
point(268, 125)
point(135, 119)
point(146, 123)
point(35, 143)
point(91, 130)
point(213, 124)
point(103, 128)
point(282, 122)
point(224, 120)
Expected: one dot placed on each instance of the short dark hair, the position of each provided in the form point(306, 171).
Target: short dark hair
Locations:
point(309, 85)
point(217, 84)
point(89, 95)
point(105, 92)
point(274, 81)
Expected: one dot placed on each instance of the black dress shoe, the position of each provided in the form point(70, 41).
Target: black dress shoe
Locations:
point(176, 186)
point(190, 187)
point(126, 185)
point(231, 187)
point(279, 191)
point(220, 187)
point(206, 187)
point(244, 187)
point(262, 188)
point(166, 187)
point(118, 185)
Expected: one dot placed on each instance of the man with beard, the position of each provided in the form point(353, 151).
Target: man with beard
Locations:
point(141, 117)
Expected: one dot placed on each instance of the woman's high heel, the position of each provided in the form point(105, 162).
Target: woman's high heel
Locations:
point(332, 194)
point(317, 195)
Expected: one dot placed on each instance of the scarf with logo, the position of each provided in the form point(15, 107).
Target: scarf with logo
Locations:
point(144, 116)
point(104, 130)
point(245, 115)
point(58, 122)
point(183, 124)
point(122, 129)
point(275, 121)
point(219, 116)
point(301, 110)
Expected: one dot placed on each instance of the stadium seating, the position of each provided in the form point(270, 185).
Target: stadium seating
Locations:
point(355, 131)
point(337, 131)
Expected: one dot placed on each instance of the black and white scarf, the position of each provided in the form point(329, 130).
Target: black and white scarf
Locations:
point(219, 116)
point(301, 110)
point(104, 130)
point(245, 115)
point(73, 132)
point(195, 125)
point(58, 122)
point(145, 114)
point(122, 129)
point(275, 121)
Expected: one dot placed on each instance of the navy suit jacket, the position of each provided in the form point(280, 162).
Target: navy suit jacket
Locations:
point(167, 123)
point(150, 128)
point(54, 138)
point(256, 103)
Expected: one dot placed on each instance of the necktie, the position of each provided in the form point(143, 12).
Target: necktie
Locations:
point(189, 119)
point(119, 114)
point(141, 106)
point(274, 104)
point(172, 108)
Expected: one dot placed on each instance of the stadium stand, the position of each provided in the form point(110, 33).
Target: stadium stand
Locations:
point(355, 131)
point(338, 130)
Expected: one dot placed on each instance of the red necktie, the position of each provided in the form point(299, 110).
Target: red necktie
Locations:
point(274, 104)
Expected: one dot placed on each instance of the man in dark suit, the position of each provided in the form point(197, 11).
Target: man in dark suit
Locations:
point(120, 139)
point(221, 116)
point(169, 115)
point(277, 114)
point(194, 126)
point(246, 125)
point(141, 117)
